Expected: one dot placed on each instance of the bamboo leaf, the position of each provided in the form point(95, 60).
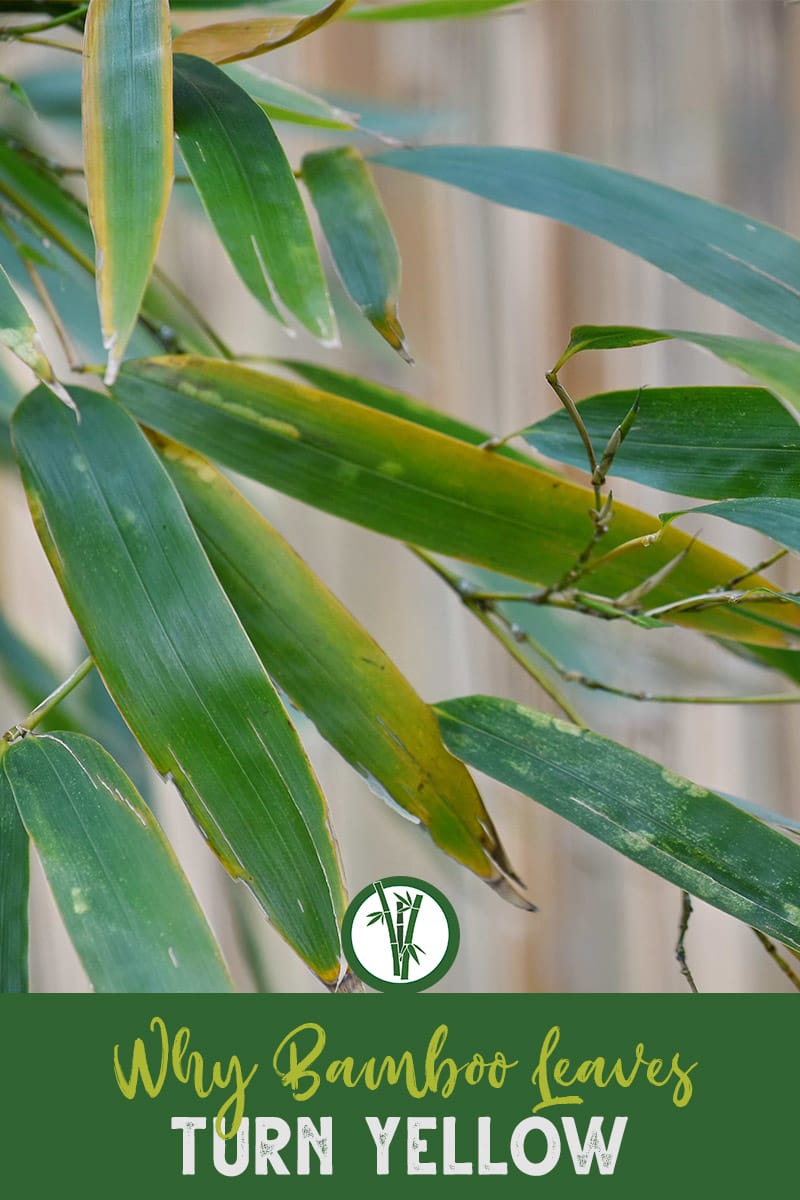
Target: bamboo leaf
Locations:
point(249, 192)
point(18, 332)
point(690, 836)
point(231, 41)
point(776, 516)
point(125, 901)
point(177, 662)
point(393, 403)
point(37, 195)
point(751, 267)
point(408, 482)
point(127, 139)
point(776, 367)
point(359, 235)
point(709, 442)
point(334, 672)
point(283, 101)
point(14, 880)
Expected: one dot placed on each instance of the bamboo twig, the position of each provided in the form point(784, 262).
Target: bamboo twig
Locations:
point(38, 714)
point(772, 951)
point(680, 948)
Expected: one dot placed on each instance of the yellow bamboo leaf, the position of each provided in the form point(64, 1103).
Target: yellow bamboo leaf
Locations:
point(230, 41)
point(127, 137)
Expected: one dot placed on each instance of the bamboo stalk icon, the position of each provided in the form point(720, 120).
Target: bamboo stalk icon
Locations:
point(400, 927)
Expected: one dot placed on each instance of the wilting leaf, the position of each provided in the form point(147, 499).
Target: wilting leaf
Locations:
point(231, 41)
point(14, 878)
point(177, 662)
point(283, 101)
point(688, 835)
point(359, 235)
point(333, 671)
point(411, 483)
point(249, 192)
point(125, 901)
point(127, 139)
point(776, 367)
point(751, 267)
point(704, 441)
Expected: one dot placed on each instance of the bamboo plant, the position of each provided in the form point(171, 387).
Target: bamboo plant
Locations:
point(199, 620)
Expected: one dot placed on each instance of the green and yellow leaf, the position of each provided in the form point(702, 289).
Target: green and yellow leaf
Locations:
point(334, 671)
point(230, 41)
point(127, 140)
point(409, 482)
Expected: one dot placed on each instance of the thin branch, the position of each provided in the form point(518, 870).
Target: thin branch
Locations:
point(38, 41)
point(478, 610)
point(680, 947)
point(34, 718)
point(42, 292)
point(11, 32)
point(756, 570)
point(772, 951)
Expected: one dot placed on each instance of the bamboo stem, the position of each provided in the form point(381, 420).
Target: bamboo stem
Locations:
point(390, 926)
point(680, 948)
point(772, 951)
point(44, 709)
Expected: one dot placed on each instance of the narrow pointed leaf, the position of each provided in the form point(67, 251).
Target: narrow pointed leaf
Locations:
point(776, 516)
point(18, 332)
point(751, 267)
point(408, 482)
point(776, 367)
point(177, 662)
point(359, 235)
point(709, 442)
point(14, 880)
point(333, 671)
point(127, 139)
point(690, 836)
point(31, 190)
point(125, 901)
point(231, 41)
point(283, 101)
point(250, 194)
point(392, 402)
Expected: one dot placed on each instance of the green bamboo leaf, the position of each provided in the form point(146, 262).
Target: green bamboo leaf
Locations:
point(18, 332)
point(690, 836)
point(231, 41)
point(776, 516)
point(709, 442)
point(283, 101)
point(14, 879)
point(177, 662)
point(127, 140)
point(359, 235)
point(409, 482)
point(126, 903)
point(34, 192)
point(249, 192)
point(394, 403)
point(749, 266)
point(334, 672)
point(776, 367)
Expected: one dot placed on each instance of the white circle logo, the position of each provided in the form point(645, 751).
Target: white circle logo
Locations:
point(400, 931)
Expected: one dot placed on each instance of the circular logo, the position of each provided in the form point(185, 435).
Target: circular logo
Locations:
point(400, 932)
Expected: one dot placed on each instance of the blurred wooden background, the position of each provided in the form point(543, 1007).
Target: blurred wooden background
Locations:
point(699, 94)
